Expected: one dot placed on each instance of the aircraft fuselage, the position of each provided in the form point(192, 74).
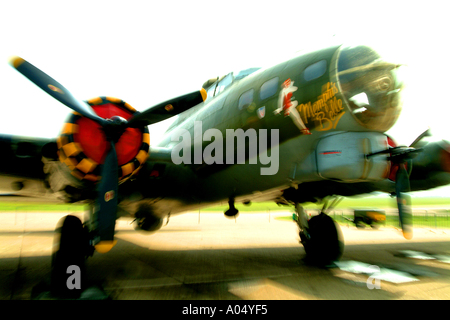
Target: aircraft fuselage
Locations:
point(345, 92)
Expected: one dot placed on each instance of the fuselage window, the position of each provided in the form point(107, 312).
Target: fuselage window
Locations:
point(269, 88)
point(246, 99)
point(315, 70)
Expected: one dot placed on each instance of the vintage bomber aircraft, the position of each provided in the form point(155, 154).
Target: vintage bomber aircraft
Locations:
point(326, 110)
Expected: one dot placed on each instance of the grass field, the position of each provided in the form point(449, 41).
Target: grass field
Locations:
point(434, 221)
point(372, 202)
point(437, 215)
point(40, 207)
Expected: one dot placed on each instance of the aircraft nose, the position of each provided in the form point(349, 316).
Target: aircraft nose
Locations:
point(370, 85)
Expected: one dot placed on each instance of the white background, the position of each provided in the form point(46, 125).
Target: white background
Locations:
point(145, 52)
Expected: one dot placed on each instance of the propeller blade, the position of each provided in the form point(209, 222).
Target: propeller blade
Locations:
point(107, 201)
point(54, 88)
point(424, 134)
point(167, 109)
point(402, 186)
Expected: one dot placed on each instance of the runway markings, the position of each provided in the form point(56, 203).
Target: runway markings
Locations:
point(424, 256)
point(385, 274)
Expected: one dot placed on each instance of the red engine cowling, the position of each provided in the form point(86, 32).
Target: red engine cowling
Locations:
point(82, 145)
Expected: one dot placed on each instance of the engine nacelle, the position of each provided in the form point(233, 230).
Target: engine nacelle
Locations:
point(82, 145)
point(341, 157)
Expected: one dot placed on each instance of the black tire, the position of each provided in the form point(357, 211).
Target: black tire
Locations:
point(231, 213)
point(326, 243)
point(70, 244)
point(359, 223)
point(375, 226)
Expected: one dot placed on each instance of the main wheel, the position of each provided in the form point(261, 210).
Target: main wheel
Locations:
point(68, 259)
point(326, 242)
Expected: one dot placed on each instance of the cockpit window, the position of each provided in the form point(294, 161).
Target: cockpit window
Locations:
point(370, 86)
point(215, 86)
point(224, 83)
point(243, 73)
point(210, 91)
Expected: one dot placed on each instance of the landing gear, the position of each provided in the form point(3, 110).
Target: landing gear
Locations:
point(320, 236)
point(232, 212)
point(71, 248)
point(73, 244)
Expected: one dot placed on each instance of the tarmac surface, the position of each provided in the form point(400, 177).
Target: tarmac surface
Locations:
point(210, 257)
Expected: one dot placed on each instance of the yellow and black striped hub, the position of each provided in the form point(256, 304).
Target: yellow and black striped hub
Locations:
point(83, 146)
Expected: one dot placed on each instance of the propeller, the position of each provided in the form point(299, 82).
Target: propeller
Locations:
point(404, 201)
point(401, 157)
point(54, 88)
point(107, 188)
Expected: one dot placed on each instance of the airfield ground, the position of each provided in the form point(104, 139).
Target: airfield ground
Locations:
point(207, 256)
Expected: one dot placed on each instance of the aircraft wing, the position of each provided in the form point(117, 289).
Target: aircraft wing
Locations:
point(22, 166)
point(21, 156)
point(26, 169)
point(31, 167)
